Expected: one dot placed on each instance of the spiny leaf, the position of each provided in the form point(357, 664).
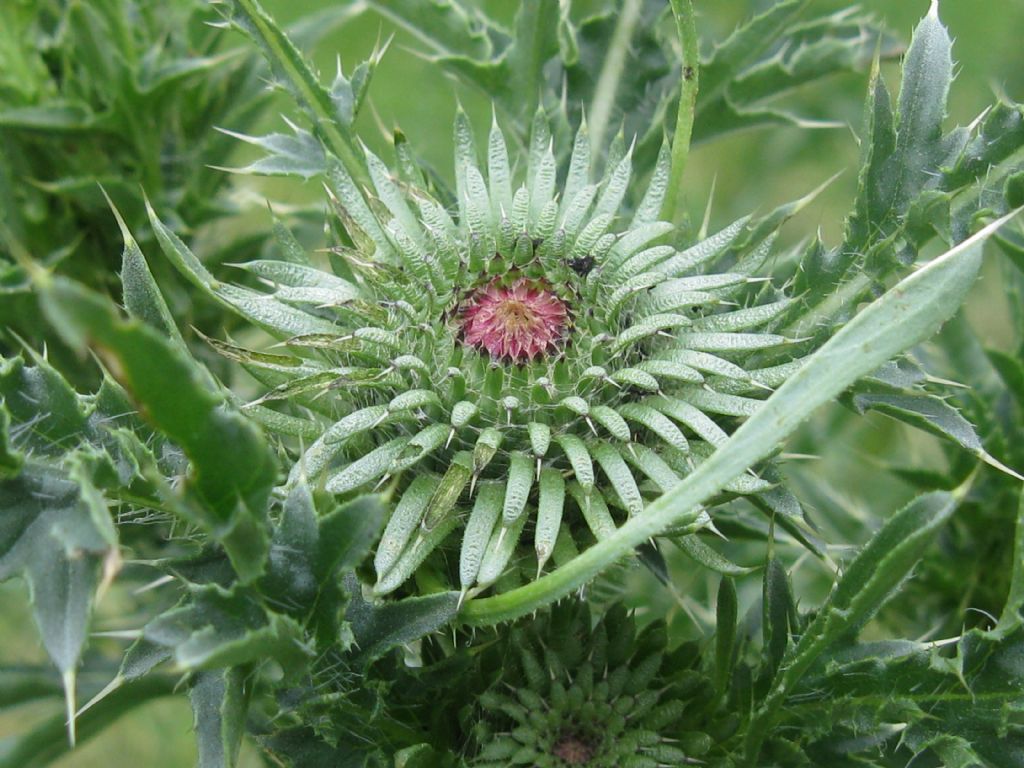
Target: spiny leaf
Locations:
point(517, 491)
point(346, 534)
point(612, 421)
point(332, 441)
point(446, 495)
point(422, 444)
point(299, 154)
point(933, 415)
point(404, 522)
point(786, 56)
point(592, 505)
point(540, 438)
point(39, 390)
point(423, 543)
point(262, 309)
point(379, 628)
point(656, 422)
point(142, 296)
point(927, 74)
point(650, 463)
point(693, 418)
point(671, 370)
point(292, 71)
point(500, 549)
point(218, 628)
point(293, 549)
point(295, 275)
point(619, 476)
point(367, 468)
point(550, 505)
point(57, 533)
point(697, 550)
point(233, 485)
point(728, 342)
point(716, 402)
point(873, 575)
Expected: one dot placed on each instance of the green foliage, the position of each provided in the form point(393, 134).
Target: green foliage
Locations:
point(102, 98)
point(915, 182)
point(233, 487)
point(57, 532)
point(475, 416)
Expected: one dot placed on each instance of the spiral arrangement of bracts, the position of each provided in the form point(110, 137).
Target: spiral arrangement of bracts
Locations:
point(604, 696)
point(538, 361)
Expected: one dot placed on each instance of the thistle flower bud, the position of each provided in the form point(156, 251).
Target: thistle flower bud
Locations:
point(601, 697)
point(544, 348)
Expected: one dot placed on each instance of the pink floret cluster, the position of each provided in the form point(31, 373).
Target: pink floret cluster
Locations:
point(519, 321)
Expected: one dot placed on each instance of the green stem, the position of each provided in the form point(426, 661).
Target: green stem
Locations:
point(611, 73)
point(283, 54)
point(687, 30)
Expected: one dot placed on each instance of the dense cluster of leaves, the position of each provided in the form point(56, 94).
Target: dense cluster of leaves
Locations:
point(107, 97)
point(254, 528)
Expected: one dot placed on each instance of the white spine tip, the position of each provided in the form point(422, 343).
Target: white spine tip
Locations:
point(69, 704)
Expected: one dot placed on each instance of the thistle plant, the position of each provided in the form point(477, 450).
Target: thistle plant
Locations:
point(478, 409)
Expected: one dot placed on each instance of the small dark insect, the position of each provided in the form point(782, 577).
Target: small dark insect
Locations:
point(582, 265)
point(687, 73)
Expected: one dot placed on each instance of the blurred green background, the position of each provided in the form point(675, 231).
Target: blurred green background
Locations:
point(749, 171)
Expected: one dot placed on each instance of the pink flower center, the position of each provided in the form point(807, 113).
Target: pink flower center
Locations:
point(519, 321)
